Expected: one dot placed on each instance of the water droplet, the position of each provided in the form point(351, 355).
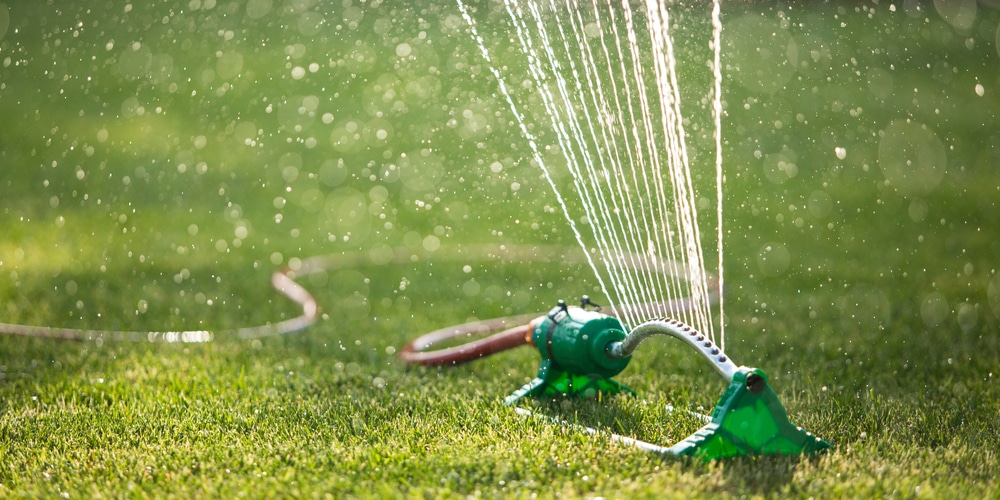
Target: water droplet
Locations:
point(763, 66)
point(289, 173)
point(820, 204)
point(980, 90)
point(257, 9)
point(840, 152)
point(959, 13)
point(934, 309)
point(912, 158)
point(431, 243)
point(471, 288)
point(773, 259)
point(968, 316)
point(229, 65)
point(4, 20)
point(993, 294)
point(780, 166)
point(918, 210)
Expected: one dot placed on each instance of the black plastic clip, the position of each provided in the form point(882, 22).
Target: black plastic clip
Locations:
point(585, 302)
point(560, 308)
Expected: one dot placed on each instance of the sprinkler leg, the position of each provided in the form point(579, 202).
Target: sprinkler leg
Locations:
point(749, 420)
point(553, 382)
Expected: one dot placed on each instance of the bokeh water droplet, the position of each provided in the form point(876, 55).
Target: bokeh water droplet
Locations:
point(134, 62)
point(773, 259)
point(880, 82)
point(228, 65)
point(961, 14)
point(762, 66)
point(968, 316)
point(4, 20)
point(918, 209)
point(993, 294)
point(257, 9)
point(820, 204)
point(912, 158)
point(780, 167)
point(934, 309)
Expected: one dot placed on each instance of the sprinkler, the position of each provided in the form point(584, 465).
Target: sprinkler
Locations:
point(582, 349)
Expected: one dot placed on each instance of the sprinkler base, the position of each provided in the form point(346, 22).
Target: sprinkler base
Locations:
point(554, 382)
point(749, 420)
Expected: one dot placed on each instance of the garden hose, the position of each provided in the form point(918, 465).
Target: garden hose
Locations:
point(417, 351)
point(282, 280)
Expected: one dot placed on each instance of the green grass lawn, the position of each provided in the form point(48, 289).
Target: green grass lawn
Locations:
point(159, 162)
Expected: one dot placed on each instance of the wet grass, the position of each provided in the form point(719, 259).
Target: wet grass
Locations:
point(874, 311)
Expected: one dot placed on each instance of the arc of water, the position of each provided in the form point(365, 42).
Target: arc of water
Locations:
point(558, 119)
point(658, 194)
point(719, 177)
point(589, 176)
point(536, 154)
point(570, 137)
point(621, 142)
point(677, 160)
point(680, 171)
point(642, 268)
point(641, 287)
point(671, 290)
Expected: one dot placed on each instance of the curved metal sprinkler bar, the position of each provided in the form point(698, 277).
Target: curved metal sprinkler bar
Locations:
point(678, 330)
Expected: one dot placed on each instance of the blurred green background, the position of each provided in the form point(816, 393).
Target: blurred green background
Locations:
point(159, 160)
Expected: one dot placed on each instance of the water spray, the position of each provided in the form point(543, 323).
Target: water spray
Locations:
point(582, 349)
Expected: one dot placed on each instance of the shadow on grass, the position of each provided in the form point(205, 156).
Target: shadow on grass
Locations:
point(629, 417)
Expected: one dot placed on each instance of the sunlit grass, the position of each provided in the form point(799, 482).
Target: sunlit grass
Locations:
point(174, 217)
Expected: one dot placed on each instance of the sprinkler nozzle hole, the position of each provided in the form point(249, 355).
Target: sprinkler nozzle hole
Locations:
point(755, 383)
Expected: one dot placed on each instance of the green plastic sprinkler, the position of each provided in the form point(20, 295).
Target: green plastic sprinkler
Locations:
point(572, 342)
point(583, 349)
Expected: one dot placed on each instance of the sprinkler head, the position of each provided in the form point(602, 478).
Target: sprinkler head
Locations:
point(573, 344)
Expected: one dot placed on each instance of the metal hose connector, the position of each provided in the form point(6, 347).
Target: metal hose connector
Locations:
point(680, 330)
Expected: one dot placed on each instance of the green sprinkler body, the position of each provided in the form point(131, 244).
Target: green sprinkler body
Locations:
point(573, 343)
point(582, 350)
